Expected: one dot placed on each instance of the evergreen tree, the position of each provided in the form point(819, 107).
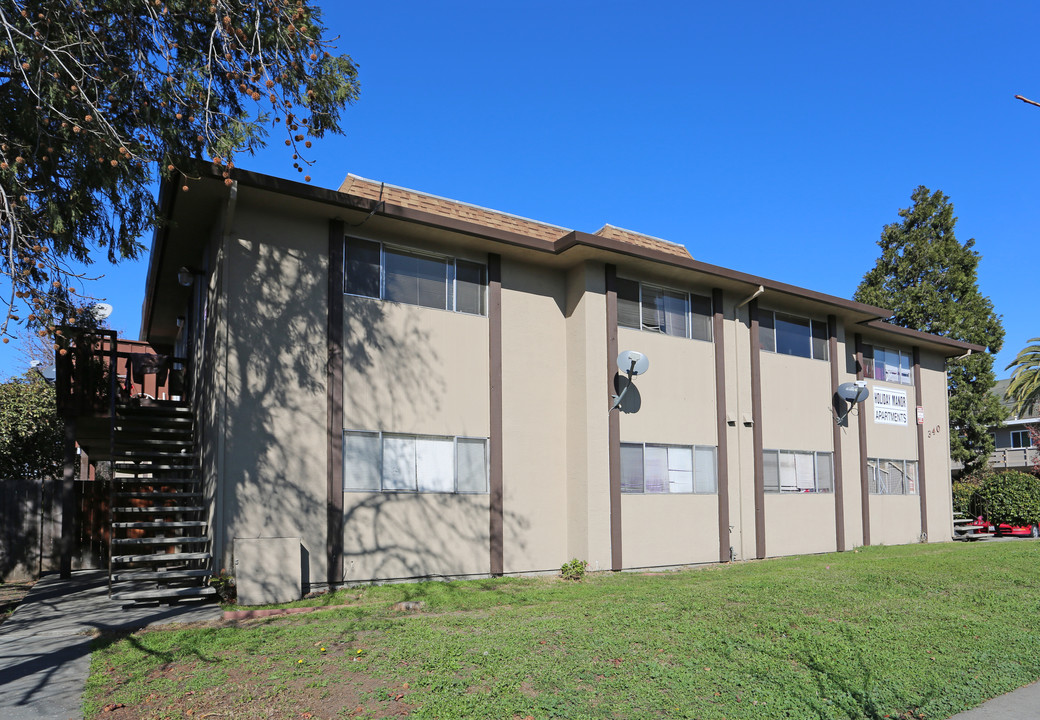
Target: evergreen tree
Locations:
point(929, 279)
point(102, 98)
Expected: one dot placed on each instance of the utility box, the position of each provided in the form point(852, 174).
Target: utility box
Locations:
point(268, 570)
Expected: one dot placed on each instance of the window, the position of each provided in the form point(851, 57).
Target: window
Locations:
point(375, 270)
point(657, 469)
point(891, 477)
point(657, 309)
point(894, 366)
point(389, 462)
point(792, 335)
point(798, 471)
point(1020, 439)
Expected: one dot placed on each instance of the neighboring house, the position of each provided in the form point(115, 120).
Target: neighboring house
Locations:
point(1013, 446)
point(388, 384)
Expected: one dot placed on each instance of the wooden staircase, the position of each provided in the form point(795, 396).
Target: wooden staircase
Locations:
point(160, 542)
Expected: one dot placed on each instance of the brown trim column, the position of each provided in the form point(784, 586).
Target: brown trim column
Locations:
point(839, 488)
point(614, 422)
point(756, 431)
point(721, 427)
point(918, 401)
point(334, 415)
point(496, 527)
point(864, 484)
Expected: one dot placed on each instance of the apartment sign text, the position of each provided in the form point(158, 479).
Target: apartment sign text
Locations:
point(890, 406)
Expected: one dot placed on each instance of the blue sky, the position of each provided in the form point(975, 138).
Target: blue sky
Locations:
point(772, 138)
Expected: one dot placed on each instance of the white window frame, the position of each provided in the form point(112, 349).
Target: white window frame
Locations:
point(688, 313)
point(813, 322)
point(1023, 439)
point(382, 436)
point(817, 456)
point(693, 473)
point(874, 469)
point(452, 269)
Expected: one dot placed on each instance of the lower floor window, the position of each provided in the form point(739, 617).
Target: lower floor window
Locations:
point(392, 462)
point(891, 477)
point(667, 468)
point(798, 471)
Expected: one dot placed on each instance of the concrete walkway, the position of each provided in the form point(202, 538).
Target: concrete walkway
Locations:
point(45, 644)
point(1021, 704)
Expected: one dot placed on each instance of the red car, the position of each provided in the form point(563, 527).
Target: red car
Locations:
point(1032, 531)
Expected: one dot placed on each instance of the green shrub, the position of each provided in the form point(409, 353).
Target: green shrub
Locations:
point(1008, 497)
point(573, 570)
point(964, 489)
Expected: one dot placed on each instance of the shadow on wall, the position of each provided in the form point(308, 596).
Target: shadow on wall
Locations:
point(409, 535)
point(274, 473)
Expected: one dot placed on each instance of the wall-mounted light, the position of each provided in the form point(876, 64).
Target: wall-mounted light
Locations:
point(186, 276)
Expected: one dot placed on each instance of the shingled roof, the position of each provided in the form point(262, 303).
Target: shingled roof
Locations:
point(373, 190)
point(642, 240)
point(392, 194)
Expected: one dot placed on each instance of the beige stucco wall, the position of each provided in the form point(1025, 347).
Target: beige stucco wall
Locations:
point(895, 519)
point(588, 475)
point(796, 403)
point(404, 535)
point(669, 529)
point(411, 369)
point(534, 417)
point(937, 447)
point(273, 479)
point(799, 523)
point(677, 392)
point(741, 432)
point(677, 408)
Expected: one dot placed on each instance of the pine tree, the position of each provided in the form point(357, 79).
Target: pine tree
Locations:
point(930, 280)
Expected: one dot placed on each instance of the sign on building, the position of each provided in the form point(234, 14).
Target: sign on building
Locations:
point(890, 406)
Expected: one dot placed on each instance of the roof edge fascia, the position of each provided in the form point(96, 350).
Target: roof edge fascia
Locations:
point(956, 347)
point(568, 241)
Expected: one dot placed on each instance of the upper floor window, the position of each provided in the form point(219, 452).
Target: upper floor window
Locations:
point(658, 309)
point(797, 471)
point(1021, 439)
point(377, 270)
point(792, 335)
point(894, 366)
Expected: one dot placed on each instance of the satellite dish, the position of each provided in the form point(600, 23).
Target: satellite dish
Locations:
point(101, 310)
point(632, 362)
point(853, 392)
point(848, 394)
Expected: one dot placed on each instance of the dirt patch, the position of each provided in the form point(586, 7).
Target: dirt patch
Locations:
point(11, 595)
point(253, 695)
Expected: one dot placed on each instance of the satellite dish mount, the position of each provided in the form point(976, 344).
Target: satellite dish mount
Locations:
point(631, 363)
point(848, 394)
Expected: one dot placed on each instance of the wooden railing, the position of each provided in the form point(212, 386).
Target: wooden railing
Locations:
point(1009, 458)
point(95, 369)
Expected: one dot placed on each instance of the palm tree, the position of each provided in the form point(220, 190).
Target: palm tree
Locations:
point(1024, 388)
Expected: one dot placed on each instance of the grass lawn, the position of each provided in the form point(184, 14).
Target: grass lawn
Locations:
point(919, 631)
